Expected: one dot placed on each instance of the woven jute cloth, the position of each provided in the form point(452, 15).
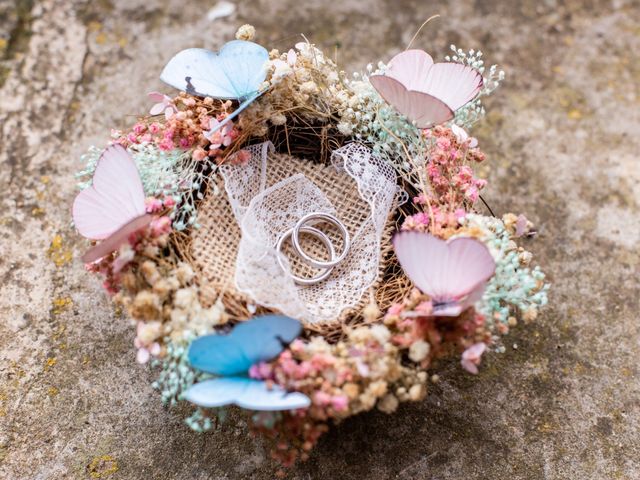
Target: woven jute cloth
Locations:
point(214, 246)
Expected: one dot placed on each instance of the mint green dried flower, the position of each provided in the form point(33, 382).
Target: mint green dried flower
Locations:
point(514, 287)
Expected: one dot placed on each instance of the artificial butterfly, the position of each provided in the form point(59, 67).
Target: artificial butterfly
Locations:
point(230, 356)
point(427, 93)
point(113, 207)
point(234, 73)
point(453, 273)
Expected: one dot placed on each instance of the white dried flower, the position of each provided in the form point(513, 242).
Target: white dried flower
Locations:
point(388, 404)
point(184, 298)
point(278, 119)
point(380, 333)
point(309, 87)
point(149, 331)
point(246, 32)
point(419, 350)
point(345, 128)
point(416, 392)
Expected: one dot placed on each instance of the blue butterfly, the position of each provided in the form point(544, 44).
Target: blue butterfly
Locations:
point(230, 357)
point(234, 73)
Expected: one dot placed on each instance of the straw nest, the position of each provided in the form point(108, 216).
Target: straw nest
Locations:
point(303, 146)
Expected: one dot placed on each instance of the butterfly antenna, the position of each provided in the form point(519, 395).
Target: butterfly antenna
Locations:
point(288, 37)
point(488, 207)
point(421, 27)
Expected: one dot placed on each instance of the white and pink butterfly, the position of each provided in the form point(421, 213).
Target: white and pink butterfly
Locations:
point(453, 273)
point(427, 93)
point(113, 207)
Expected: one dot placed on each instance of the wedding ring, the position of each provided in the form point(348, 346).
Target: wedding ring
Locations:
point(323, 238)
point(321, 217)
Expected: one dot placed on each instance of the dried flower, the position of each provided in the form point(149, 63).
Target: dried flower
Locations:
point(164, 104)
point(246, 32)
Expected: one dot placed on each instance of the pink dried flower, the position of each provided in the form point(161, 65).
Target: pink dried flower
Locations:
point(340, 403)
point(152, 204)
point(459, 213)
point(166, 144)
point(160, 226)
point(425, 308)
point(463, 136)
point(322, 399)
point(139, 128)
point(261, 370)
point(521, 225)
point(241, 157)
point(144, 354)
point(223, 136)
point(199, 154)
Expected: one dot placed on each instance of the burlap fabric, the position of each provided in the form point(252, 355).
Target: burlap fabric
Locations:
point(214, 246)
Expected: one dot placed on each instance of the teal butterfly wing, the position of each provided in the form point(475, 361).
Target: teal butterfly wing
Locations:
point(264, 337)
point(244, 63)
point(245, 393)
point(216, 392)
point(235, 73)
point(218, 355)
point(256, 340)
point(230, 357)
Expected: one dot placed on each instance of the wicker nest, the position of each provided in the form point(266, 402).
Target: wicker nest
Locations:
point(212, 249)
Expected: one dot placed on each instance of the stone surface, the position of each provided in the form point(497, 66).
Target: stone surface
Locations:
point(562, 137)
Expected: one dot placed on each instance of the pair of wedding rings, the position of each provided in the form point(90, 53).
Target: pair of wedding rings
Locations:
point(307, 224)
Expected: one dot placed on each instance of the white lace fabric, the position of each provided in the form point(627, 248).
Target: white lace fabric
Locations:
point(265, 211)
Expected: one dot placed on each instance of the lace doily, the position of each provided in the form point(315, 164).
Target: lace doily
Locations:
point(267, 200)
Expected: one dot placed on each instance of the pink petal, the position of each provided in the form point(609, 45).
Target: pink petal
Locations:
point(521, 225)
point(474, 352)
point(469, 366)
point(156, 109)
point(143, 356)
point(156, 96)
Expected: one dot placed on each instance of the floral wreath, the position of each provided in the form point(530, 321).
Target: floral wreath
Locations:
point(305, 244)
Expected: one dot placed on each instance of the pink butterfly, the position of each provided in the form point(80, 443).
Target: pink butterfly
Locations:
point(453, 273)
point(427, 93)
point(113, 207)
